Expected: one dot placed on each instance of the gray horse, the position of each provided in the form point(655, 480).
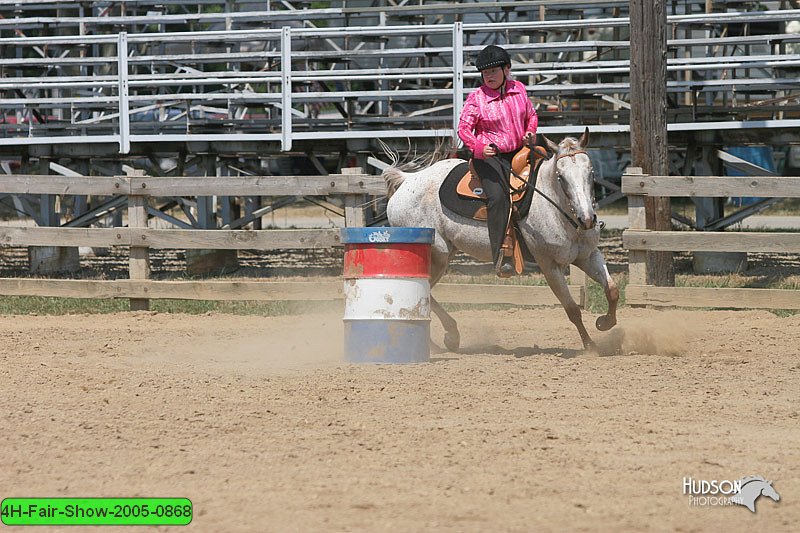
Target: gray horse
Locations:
point(556, 236)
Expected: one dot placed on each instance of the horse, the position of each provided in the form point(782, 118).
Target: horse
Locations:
point(751, 488)
point(560, 228)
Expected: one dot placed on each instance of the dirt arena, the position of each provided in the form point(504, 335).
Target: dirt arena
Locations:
point(260, 423)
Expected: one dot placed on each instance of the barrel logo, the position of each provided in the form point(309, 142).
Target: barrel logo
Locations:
point(379, 236)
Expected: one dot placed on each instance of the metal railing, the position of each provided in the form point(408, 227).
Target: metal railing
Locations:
point(268, 86)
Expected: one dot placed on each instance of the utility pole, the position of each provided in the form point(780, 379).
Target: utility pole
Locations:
point(649, 119)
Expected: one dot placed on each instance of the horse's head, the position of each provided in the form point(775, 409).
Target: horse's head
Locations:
point(573, 170)
point(769, 491)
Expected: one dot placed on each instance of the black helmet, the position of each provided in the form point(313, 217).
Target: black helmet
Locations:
point(492, 56)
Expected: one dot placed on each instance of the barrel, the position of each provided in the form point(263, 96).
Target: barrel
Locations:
point(387, 294)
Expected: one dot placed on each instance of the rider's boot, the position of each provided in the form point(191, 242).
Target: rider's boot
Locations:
point(505, 262)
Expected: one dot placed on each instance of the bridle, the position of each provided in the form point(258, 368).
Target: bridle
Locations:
point(570, 154)
point(559, 157)
point(561, 210)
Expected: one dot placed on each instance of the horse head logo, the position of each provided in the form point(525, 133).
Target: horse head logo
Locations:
point(752, 488)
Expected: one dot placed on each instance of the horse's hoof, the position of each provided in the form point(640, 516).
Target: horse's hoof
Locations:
point(452, 340)
point(605, 323)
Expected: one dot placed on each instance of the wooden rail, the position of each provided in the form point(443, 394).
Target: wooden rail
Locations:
point(639, 240)
point(352, 184)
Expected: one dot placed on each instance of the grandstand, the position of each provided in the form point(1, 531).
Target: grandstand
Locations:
point(175, 87)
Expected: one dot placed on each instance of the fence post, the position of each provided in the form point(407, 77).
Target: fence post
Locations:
point(51, 259)
point(637, 220)
point(139, 263)
point(354, 204)
point(578, 277)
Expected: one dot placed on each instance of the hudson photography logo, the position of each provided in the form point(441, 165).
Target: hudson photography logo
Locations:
point(726, 492)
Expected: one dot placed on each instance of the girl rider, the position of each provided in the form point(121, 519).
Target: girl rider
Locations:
point(496, 120)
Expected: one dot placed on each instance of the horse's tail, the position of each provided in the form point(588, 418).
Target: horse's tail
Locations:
point(395, 173)
point(394, 178)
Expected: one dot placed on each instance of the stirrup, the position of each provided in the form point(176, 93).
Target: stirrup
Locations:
point(505, 266)
point(506, 270)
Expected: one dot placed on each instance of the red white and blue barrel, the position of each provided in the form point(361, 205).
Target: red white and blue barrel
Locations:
point(387, 294)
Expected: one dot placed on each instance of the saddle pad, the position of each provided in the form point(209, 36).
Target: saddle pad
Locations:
point(467, 207)
point(472, 207)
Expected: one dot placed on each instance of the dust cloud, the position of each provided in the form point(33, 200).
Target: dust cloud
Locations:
point(668, 335)
point(262, 344)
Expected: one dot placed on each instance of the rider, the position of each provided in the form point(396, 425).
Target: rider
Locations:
point(496, 120)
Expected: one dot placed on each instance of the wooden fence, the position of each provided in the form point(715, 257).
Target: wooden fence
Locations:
point(639, 240)
point(140, 189)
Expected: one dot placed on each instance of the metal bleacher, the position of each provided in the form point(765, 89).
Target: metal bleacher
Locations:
point(137, 76)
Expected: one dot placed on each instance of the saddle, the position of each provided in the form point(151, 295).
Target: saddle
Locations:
point(469, 186)
point(463, 193)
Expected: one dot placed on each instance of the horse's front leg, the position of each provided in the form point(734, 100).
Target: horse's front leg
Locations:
point(554, 275)
point(595, 267)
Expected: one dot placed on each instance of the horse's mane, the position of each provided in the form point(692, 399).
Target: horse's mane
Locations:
point(568, 143)
point(749, 479)
point(394, 174)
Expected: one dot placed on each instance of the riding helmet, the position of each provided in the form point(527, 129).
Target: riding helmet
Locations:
point(492, 56)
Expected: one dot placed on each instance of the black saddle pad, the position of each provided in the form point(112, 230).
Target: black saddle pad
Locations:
point(467, 207)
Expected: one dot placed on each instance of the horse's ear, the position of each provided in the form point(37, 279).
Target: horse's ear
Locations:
point(553, 147)
point(584, 140)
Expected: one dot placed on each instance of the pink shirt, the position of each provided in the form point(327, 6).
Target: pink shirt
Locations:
point(489, 118)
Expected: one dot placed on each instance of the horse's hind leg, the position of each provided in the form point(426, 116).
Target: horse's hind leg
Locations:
point(439, 261)
point(595, 267)
point(452, 338)
point(558, 284)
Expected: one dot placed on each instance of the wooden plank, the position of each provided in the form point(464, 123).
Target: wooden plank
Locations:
point(579, 278)
point(712, 186)
point(43, 236)
point(49, 184)
point(172, 238)
point(264, 290)
point(180, 290)
point(500, 294)
point(242, 290)
point(261, 185)
point(354, 213)
point(711, 241)
point(637, 218)
point(61, 288)
point(637, 260)
point(734, 298)
point(237, 239)
point(139, 257)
